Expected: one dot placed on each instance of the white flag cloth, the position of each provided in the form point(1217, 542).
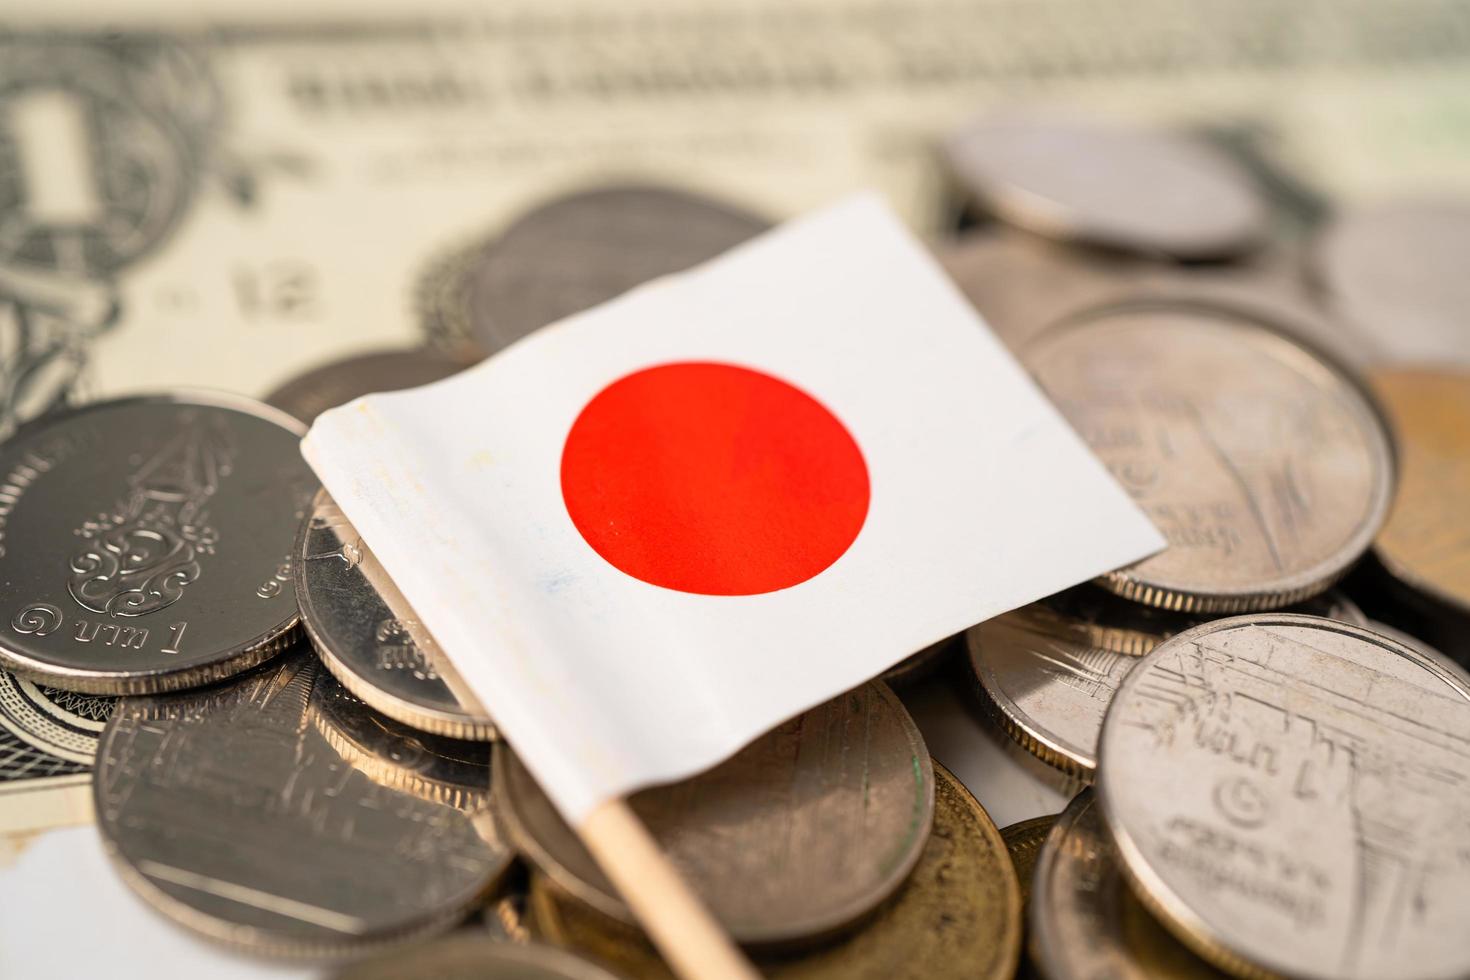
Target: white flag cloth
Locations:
point(650, 532)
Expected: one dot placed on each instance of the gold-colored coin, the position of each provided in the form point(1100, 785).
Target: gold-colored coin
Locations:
point(1426, 542)
point(470, 957)
point(959, 915)
point(798, 836)
point(1023, 841)
point(1083, 921)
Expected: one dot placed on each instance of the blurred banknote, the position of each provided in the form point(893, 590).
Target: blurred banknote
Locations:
point(222, 198)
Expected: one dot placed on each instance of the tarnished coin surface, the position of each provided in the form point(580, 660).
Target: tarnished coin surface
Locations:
point(1268, 470)
point(1023, 841)
point(1136, 189)
point(587, 247)
point(1049, 670)
point(368, 635)
point(799, 835)
point(471, 957)
point(145, 542)
point(1085, 923)
point(233, 812)
point(1397, 270)
point(313, 392)
point(1291, 795)
point(959, 915)
point(1426, 542)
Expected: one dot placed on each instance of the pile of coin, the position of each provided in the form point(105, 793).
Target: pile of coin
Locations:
point(1267, 781)
point(1284, 792)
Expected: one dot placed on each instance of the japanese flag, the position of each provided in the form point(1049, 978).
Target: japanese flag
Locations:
point(650, 532)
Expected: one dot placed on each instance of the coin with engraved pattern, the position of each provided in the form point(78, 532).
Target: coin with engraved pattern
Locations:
point(441, 769)
point(1023, 842)
point(145, 542)
point(959, 914)
point(471, 957)
point(313, 392)
point(1396, 269)
point(582, 249)
point(234, 811)
point(1426, 542)
point(1291, 795)
point(368, 635)
point(1085, 923)
point(1048, 671)
point(798, 836)
point(1267, 467)
point(1135, 189)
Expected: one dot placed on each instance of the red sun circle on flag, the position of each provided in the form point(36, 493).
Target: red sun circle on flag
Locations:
point(713, 479)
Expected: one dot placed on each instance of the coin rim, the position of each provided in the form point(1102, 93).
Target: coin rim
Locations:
point(435, 721)
point(1039, 920)
point(1042, 214)
point(1323, 266)
point(1188, 926)
point(481, 321)
point(1071, 761)
point(1272, 323)
point(235, 659)
point(398, 778)
point(547, 899)
point(811, 931)
point(280, 396)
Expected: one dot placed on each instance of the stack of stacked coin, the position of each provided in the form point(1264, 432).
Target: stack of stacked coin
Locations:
point(1276, 784)
point(1264, 801)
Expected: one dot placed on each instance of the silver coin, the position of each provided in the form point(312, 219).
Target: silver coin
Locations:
point(580, 250)
point(1270, 288)
point(1397, 270)
point(437, 768)
point(1135, 189)
point(232, 811)
point(1291, 795)
point(802, 833)
point(1085, 923)
point(1418, 645)
point(145, 542)
point(368, 635)
point(309, 394)
point(1265, 465)
point(1049, 670)
point(1021, 284)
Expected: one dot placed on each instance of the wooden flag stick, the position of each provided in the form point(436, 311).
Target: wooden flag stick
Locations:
point(676, 920)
